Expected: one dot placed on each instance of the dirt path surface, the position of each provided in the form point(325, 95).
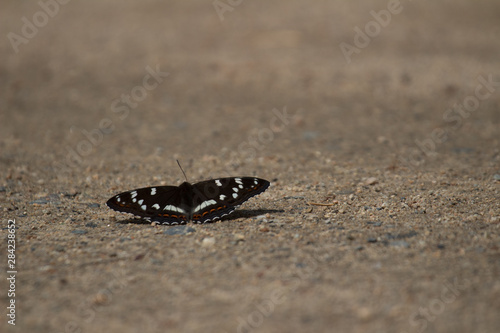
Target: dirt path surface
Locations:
point(387, 113)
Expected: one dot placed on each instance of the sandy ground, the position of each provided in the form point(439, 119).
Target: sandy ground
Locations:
point(386, 113)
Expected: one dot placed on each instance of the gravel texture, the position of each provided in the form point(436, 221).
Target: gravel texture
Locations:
point(383, 213)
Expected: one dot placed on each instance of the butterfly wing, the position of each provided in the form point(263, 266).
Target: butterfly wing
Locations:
point(163, 204)
point(215, 198)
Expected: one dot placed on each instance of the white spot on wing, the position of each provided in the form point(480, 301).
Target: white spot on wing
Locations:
point(156, 206)
point(173, 208)
point(217, 181)
point(118, 199)
point(235, 195)
point(238, 180)
point(133, 194)
point(153, 191)
point(240, 186)
point(203, 205)
point(134, 200)
point(143, 207)
point(140, 202)
point(222, 197)
point(255, 181)
point(235, 189)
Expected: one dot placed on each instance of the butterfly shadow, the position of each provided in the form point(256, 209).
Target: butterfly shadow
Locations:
point(133, 220)
point(241, 213)
point(248, 213)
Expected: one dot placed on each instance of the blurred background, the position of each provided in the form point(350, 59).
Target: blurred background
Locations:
point(98, 97)
point(354, 96)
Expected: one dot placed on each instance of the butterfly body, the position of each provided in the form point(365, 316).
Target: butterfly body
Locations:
point(201, 202)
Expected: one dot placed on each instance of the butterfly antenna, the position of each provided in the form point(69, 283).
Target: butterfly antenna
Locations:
point(181, 169)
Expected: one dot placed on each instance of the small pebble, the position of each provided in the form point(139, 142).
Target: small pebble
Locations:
point(400, 243)
point(239, 237)
point(375, 224)
point(496, 177)
point(71, 193)
point(93, 205)
point(365, 313)
point(100, 298)
point(371, 181)
point(179, 230)
point(382, 139)
point(262, 217)
point(79, 232)
point(372, 240)
point(208, 242)
point(51, 198)
point(39, 202)
point(309, 135)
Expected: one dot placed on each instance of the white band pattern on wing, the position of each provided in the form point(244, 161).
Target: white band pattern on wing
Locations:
point(174, 209)
point(203, 205)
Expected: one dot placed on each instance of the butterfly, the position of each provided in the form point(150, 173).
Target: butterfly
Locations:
point(202, 202)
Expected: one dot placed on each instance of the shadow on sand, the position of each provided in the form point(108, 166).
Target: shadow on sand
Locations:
point(242, 213)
